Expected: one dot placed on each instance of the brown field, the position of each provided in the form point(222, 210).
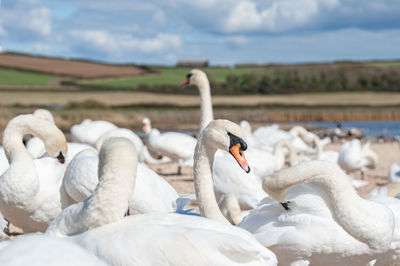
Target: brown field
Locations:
point(121, 98)
point(71, 68)
point(126, 109)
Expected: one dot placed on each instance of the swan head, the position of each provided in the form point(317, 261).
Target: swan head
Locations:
point(226, 135)
point(146, 128)
point(57, 146)
point(44, 114)
point(196, 77)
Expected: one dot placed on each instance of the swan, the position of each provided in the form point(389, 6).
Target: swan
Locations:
point(42, 250)
point(199, 78)
point(328, 223)
point(29, 196)
point(236, 192)
point(98, 223)
point(178, 147)
point(152, 193)
point(394, 173)
point(353, 156)
point(90, 131)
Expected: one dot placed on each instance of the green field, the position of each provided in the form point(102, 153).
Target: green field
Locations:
point(172, 76)
point(17, 77)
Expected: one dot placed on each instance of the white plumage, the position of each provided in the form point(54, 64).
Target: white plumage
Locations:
point(41, 250)
point(90, 131)
point(328, 223)
point(29, 189)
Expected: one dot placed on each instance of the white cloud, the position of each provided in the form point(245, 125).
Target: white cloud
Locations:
point(36, 21)
point(39, 20)
point(102, 41)
point(281, 15)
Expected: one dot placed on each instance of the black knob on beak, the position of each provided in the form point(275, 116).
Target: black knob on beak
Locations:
point(61, 158)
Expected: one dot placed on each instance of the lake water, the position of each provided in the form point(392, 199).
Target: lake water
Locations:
point(370, 129)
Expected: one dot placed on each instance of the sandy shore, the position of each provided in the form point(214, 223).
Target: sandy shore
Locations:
point(388, 153)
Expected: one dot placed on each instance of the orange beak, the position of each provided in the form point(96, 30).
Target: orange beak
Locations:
point(185, 82)
point(144, 128)
point(238, 154)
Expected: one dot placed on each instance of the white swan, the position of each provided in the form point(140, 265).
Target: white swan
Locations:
point(41, 250)
point(353, 156)
point(235, 191)
point(29, 198)
point(152, 193)
point(150, 239)
point(328, 223)
point(90, 131)
point(199, 78)
point(178, 147)
point(394, 173)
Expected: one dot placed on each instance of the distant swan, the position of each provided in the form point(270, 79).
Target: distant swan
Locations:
point(353, 156)
point(90, 131)
point(177, 146)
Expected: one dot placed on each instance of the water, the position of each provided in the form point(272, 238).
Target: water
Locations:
point(370, 128)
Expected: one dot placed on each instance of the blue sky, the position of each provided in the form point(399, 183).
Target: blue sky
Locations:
point(224, 31)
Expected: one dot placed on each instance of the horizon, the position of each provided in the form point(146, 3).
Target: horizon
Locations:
point(261, 64)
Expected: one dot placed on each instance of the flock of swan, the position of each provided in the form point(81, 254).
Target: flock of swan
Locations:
point(95, 202)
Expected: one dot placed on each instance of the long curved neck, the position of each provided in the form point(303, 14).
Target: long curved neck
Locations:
point(109, 201)
point(280, 155)
point(22, 166)
point(203, 183)
point(17, 128)
point(367, 221)
point(206, 110)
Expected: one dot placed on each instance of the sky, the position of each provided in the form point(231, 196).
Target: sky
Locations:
point(224, 31)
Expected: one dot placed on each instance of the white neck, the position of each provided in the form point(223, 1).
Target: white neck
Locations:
point(203, 183)
point(22, 167)
point(367, 221)
point(206, 110)
point(117, 173)
point(280, 155)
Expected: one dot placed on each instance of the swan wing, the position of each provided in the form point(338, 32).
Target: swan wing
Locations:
point(174, 239)
point(40, 250)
